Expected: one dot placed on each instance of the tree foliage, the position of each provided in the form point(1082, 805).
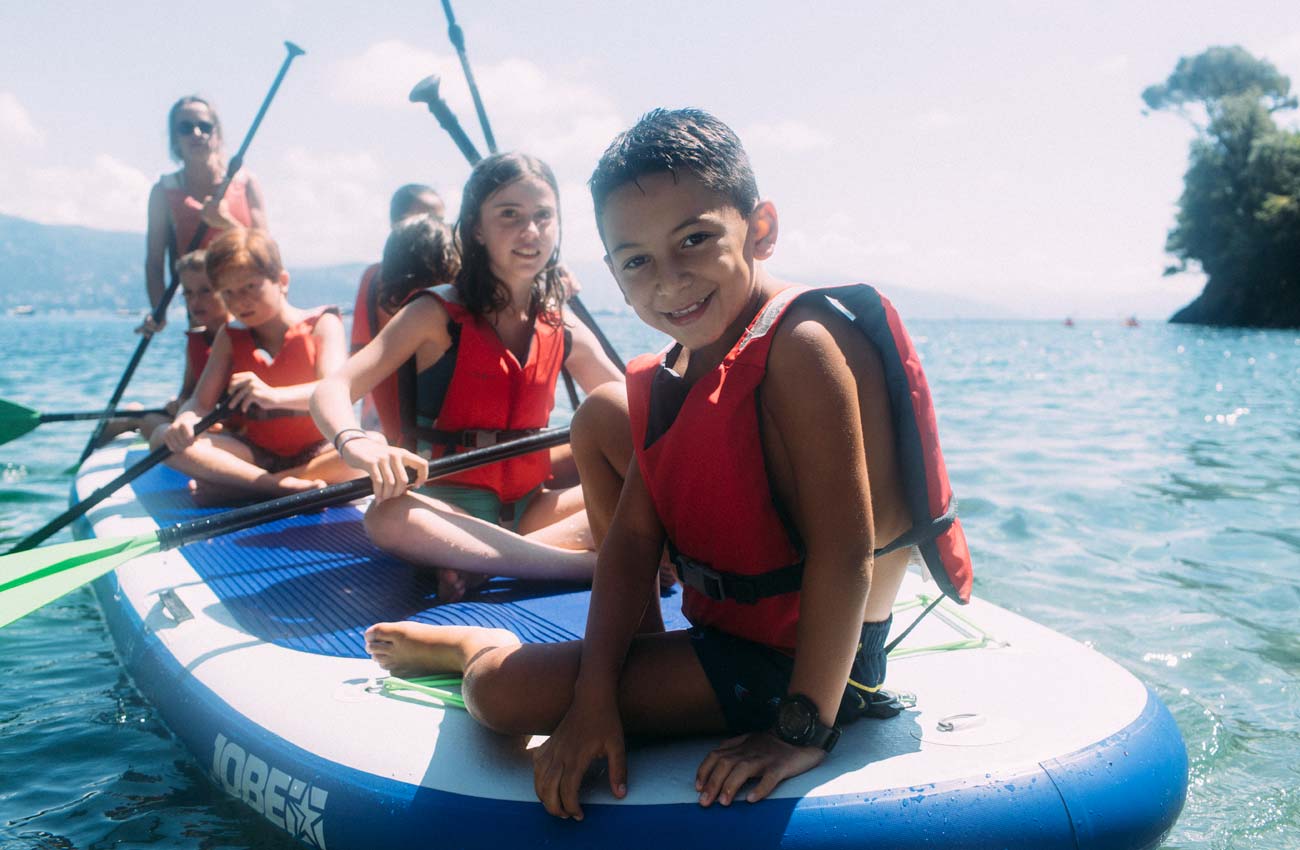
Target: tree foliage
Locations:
point(1221, 73)
point(1239, 214)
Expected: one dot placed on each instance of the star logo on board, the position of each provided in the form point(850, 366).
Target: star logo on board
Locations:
point(304, 811)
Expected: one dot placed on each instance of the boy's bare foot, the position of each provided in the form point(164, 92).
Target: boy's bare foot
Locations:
point(416, 649)
point(211, 494)
point(290, 484)
point(454, 584)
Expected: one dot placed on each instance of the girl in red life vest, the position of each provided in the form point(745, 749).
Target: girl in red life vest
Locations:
point(487, 351)
point(180, 200)
point(207, 315)
point(268, 358)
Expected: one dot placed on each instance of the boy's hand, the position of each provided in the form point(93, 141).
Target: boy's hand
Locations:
point(758, 755)
point(246, 390)
point(384, 464)
point(588, 731)
point(179, 435)
point(148, 327)
point(217, 214)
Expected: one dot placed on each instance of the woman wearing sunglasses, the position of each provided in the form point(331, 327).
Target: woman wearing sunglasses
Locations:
point(179, 201)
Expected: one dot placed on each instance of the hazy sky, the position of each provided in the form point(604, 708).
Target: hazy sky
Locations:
point(991, 150)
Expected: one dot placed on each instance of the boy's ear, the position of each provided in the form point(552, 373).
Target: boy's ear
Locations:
point(284, 278)
point(763, 227)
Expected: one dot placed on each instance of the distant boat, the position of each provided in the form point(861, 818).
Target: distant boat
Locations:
point(22, 310)
point(1131, 322)
point(1069, 323)
point(124, 311)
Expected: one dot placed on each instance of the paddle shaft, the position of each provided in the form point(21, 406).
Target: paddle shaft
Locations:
point(160, 311)
point(457, 37)
point(151, 460)
point(98, 414)
point(337, 494)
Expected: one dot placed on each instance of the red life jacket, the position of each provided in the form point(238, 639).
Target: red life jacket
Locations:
point(478, 393)
point(365, 320)
point(384, 398)
point(295, 363)
point(706, 473)
point(197, 351)
point(185, 210)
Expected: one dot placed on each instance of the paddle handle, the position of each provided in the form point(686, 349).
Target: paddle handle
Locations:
point(150, 460)
point(457, 37)
point(338, 494)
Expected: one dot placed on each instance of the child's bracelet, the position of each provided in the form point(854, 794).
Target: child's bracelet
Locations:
point(338, 444)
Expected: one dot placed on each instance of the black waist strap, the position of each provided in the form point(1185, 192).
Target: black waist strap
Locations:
point(748, 590)
point(473, 439)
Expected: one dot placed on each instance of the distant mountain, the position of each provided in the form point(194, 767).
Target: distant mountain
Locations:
point(58, 267)
point(70, 267)
point(55, 267)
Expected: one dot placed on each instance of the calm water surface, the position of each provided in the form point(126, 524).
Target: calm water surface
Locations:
point(1136, 489)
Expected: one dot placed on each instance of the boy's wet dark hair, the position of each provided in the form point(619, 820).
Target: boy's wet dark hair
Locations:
point(419, 253)
point(480, 291)
point(679, 141)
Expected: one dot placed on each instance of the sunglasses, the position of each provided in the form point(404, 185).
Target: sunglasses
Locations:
point(187, 128)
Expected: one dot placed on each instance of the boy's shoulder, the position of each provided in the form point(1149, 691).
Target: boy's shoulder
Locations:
point(812, 340)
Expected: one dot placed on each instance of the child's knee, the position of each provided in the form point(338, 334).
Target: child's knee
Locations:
point(605, 407)
point(384, 523)
point(491, 698)
point(601, 417)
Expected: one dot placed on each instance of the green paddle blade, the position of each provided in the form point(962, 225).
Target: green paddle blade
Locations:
point(32, 579)
point(16, 420)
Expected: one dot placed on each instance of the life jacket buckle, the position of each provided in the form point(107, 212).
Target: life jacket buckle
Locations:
point(713, 584)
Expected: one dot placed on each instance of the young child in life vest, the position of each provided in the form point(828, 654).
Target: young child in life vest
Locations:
point(268, 357)
point(768, 459)
point(420, 252)
point(207, 315)
point(488, 350)
point(368, 315)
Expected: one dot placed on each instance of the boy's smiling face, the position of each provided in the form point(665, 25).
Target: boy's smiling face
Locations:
point(684, 255)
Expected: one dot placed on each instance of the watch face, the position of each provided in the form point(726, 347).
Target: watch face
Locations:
point(795, 722)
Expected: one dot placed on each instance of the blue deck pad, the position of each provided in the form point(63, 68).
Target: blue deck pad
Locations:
point(315, 582)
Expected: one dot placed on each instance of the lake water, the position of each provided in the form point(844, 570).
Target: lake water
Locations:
point(1134, 488)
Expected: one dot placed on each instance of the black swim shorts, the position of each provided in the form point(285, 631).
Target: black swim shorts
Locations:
point(749, 679)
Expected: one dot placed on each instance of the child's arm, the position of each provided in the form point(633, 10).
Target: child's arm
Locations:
point(419, 326)
point(256, 203)
point(625, 574)
point(247, 389)
point(813, 441)
point(155, 254)
point(587, 361)
point(179, 435)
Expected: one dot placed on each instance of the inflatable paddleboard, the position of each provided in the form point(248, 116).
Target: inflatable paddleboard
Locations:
point(251, 648)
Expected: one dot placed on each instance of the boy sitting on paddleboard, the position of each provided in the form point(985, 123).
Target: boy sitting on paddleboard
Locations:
point(268, 357)
point(786, 454)
point(207, 315)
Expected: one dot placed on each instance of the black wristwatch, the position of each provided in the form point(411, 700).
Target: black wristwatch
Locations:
point(799, 723)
